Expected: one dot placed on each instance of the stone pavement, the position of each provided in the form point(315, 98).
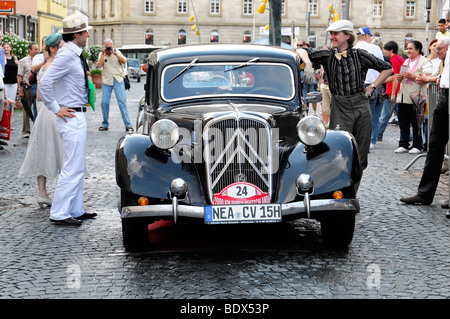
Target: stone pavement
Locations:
point(398, 251)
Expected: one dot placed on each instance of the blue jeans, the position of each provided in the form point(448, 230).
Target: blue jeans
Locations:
point(386, 113)
point(375, 108)
point(119, 91)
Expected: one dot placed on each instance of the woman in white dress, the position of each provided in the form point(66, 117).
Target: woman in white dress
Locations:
point(45, 150)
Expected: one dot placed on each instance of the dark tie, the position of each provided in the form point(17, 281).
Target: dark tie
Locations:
point(85, 67)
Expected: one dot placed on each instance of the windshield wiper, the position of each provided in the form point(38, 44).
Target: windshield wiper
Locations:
point(185, 69)
point(243, 64)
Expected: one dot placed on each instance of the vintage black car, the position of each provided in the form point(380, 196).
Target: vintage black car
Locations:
point(221, 139)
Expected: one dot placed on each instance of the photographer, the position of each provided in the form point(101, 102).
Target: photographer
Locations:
point(111, 60)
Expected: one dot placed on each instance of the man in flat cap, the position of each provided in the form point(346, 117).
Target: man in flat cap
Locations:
point(64, 90)
point(346, 70)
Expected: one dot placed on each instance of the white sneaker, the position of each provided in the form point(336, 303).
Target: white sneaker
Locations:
point(415, 151)
point(372, 146)
point(401, 150)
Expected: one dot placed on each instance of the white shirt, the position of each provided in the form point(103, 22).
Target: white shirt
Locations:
point(376, 51)
point(445, 73)
point(38, 58)
point(63, 83)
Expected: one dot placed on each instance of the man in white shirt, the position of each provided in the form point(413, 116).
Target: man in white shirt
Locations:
point(65, 92)
point(364, 38)
point(438, 140)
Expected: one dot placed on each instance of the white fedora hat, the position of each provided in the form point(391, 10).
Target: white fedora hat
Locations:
point(73, 24)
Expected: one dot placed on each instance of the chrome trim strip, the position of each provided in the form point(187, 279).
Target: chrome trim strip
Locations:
point(319, 205)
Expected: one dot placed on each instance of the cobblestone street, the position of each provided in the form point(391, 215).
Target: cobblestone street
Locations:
point(398, 251)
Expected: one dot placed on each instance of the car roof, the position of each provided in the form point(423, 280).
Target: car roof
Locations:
point(222, 52)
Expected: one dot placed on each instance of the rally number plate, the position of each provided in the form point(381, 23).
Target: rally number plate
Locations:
point(233, 214)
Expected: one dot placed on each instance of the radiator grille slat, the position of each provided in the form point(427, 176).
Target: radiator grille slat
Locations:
point(238, 150)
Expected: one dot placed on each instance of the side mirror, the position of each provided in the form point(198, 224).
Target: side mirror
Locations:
point(313, 97)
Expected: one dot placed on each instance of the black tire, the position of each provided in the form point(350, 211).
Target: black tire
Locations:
point(135, 234)
point(134, 230)
point(338, 229)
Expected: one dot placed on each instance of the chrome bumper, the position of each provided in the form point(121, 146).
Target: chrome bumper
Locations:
point(175, 210)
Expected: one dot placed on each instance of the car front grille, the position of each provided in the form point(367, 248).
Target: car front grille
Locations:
point(238, 149)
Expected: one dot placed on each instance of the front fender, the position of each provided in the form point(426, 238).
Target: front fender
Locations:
point(333, 165)
point(143, 169)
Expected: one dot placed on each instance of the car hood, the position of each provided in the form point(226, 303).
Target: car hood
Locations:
point(214, 110)
point(276, 115)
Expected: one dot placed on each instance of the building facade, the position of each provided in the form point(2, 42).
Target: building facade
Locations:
point(168, 22)
point(24, 22)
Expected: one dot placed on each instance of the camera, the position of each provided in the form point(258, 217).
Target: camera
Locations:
point(108, 49)
point(24, 85)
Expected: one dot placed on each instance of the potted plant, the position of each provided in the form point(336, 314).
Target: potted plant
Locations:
point(96, 76)
point(96, 73)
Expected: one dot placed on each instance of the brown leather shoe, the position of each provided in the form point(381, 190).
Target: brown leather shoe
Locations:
point(416, 199)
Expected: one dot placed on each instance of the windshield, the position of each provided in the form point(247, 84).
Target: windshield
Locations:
point(133, 63)
point(271, 80)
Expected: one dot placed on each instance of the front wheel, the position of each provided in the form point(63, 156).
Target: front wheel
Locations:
point(135, 234)
point(338, 229)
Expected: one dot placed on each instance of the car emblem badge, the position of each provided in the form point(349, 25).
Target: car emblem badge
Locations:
point(240, 178)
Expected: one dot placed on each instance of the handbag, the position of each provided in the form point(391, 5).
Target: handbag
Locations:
point(126, 80)
point(5, 123)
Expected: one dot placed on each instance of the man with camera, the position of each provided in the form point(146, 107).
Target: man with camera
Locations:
point(27, 90)
point(111, 60)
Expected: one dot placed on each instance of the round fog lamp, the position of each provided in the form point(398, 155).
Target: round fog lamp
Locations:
point(311, 130)
point(164, 134)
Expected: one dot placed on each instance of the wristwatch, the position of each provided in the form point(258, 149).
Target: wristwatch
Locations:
point(373, 86)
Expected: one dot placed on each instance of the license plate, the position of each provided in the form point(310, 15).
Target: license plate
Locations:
point(232, 214)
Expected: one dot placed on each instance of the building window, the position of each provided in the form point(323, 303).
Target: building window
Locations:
point(2, 25)
point(215, 7)
point(247, 38)
point(214, 36)
point(377, 9)
point(283, 8)
point(13, 25)
point(342, 12)
point(247, 7)
point(181, 37)
point(149, 6)
point(103, 7)
point(148, 36)
point(94, 4)
point(111, 9)
point(410, 9)
point(313, 7)
point(182, 6)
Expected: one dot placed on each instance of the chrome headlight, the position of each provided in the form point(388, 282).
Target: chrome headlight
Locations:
point(164, 134)
point(311, 130)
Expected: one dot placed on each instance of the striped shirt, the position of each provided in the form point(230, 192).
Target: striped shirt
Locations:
point(346, 76)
